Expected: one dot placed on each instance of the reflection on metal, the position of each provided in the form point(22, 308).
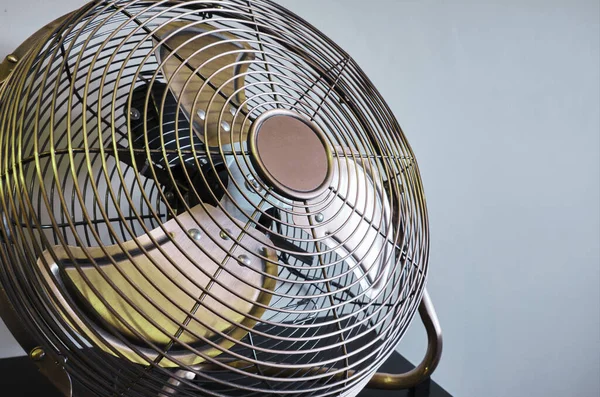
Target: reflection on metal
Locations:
point(291, 153)
point(354, 218)
point(432, 357)
point(381, 381)
point(130, 127)
point(164, 285)
point(37, 354)
point(53, 368)
point(175, 381)
point(203, 68)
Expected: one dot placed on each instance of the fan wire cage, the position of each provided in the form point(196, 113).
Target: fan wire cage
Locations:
point(150, 251)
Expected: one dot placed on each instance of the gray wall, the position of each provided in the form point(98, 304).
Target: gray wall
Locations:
point(500, 101)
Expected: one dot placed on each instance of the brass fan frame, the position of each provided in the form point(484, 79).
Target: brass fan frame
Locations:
point(49, 363)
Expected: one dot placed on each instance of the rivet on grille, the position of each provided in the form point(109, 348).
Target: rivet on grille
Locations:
point(224, 234)
point(253, 185)
point(244, 260)
point(195, 234)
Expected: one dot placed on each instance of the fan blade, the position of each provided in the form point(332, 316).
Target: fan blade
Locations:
point(163, 277)
point(245, 193)
point(157, 140)
point(265, 224)
point(356, 221)
point(205, 71)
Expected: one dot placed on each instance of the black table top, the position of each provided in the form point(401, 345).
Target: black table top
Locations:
point(19, 376)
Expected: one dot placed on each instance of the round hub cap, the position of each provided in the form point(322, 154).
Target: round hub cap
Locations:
point(291, 154)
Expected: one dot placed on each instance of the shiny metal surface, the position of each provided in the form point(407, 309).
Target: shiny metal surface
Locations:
point(291, 154)
point(127, 116)
point(167, 285)
point(173, 382)
point(429, 363)
point(52, 366)
point(356, 222)
point(223, 60)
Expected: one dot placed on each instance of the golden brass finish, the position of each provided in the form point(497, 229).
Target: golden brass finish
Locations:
point(187, 289)
point(429, 363)
point(217, 57)
point(148, 297)
point(380, 380)
point(37, 354)
point(9, 63)
point(53, 368)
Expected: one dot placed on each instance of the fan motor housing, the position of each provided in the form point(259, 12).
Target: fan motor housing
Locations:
point(291, 154)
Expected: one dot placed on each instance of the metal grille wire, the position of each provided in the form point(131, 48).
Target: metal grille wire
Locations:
point(65, 126)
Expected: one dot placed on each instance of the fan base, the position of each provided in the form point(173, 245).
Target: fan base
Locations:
point(20, 373)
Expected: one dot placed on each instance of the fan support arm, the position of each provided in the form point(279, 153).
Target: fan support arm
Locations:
point(424, 370)
point(381, 381)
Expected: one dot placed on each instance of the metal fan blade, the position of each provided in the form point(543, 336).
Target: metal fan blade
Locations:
point(245, 193)
point(174, 217)
point(205, 70)
point(354, 219)
point(272, 216)
point(151, 278)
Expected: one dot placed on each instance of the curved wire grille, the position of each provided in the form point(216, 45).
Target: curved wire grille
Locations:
point(74, 171)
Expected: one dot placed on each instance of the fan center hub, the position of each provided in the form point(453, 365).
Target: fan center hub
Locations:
point(291, 154)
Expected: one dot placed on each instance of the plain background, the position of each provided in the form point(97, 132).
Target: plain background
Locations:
point(501, 103)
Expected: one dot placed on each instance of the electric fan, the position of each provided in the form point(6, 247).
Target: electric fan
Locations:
point(206, 198)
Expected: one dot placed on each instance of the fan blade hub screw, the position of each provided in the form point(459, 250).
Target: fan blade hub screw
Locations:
point(195, 234)
point(244, 260)
point(224, 234)
point(134, 114)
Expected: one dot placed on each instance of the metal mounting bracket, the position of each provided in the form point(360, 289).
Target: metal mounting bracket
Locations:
point(52, 367)
point(424, 370)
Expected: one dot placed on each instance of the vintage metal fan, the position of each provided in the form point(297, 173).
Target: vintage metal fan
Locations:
point(206, 198)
